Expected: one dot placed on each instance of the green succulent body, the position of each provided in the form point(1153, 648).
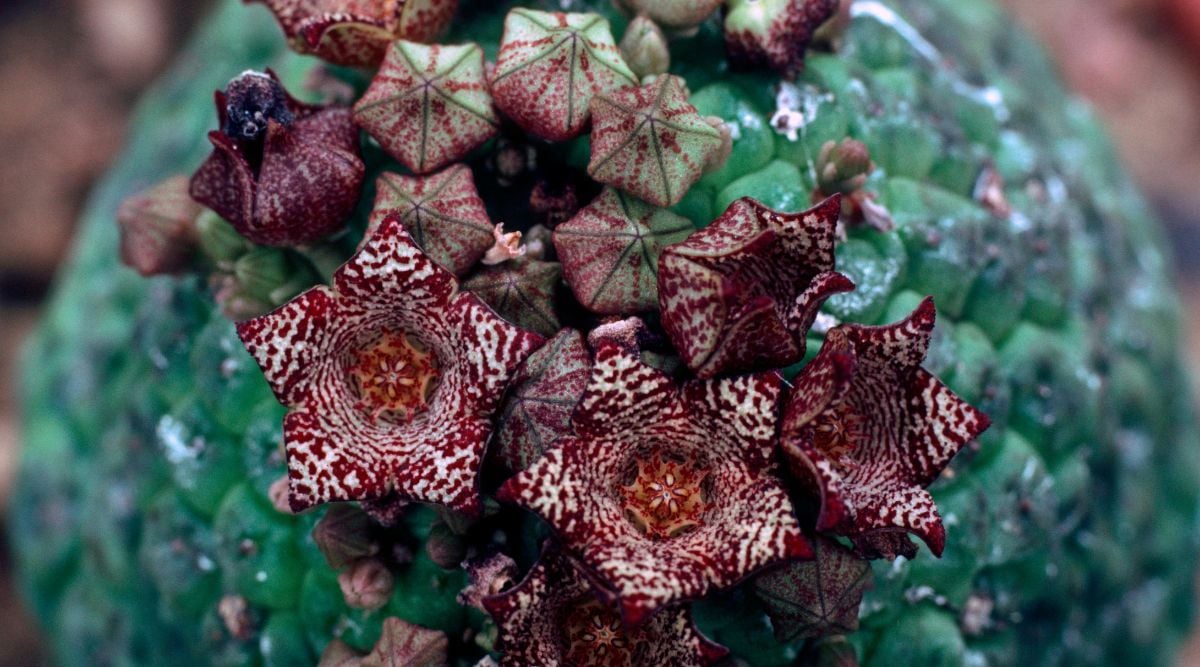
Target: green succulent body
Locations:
point(151, 438)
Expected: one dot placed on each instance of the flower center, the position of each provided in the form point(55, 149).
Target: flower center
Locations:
point(838, 433)
point(665, 498)
point(395, 375)
point(595, 636)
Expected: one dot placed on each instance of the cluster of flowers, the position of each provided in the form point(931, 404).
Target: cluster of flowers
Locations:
point(666, 471)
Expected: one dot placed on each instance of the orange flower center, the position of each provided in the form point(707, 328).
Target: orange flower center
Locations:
point(665, 498)
point(595, 636)
point(395, 375)
point(837, 434)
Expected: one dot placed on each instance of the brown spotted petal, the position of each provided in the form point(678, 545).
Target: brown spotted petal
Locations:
point(551, 65)
point(357, 32)
point(541, 398)
point(442, 212)
point(774, 33)
point(296, 184)
point(869, 429)
point(658, 490)
point(522, 291)
point(610, 251)
point(403, 644)
point(391, 377)
point(650, 141)
point(815, 598)
point(553, 617)
point(428, 106)
point(740, 294)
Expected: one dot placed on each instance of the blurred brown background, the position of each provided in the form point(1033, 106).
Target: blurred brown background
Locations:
point(71, 71)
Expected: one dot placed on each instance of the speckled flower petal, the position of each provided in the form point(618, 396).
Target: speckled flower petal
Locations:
point(774, 33)
point(541, 398)
point(610, 250)
point(869, 429)
point(357, 33)
point(428, 106)
point(442, 212)
point(549, 68)
point(650, 141)
point(348, 439)
point(403, 644)
point(741, 293)
point(815, 598)
point(522, 291)
point(552, 617)
point(637, 435)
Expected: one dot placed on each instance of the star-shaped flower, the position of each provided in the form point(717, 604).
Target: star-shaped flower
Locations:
point(391, 377)
point(553, 617)
point(442, 212)
point(281, 172)
point(870, 429)
point(740, 294)
point(650, 141)
point(610, 250)
point(774, 33)
point(357, 32)
point(428, 106)
point(550, 66)
point(665, 492)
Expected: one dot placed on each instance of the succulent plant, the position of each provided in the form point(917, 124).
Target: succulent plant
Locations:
point(542, 350)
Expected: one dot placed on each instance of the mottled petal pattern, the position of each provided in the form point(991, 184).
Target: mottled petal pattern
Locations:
point(741, 293)
point(610, 251)
point(428, 106)
point(551, 65)
point(634, 419)
point(650, 141)
point(869, 429)
point(553, 617)
point(403, 644)
point(340, 450)
point(442, 212)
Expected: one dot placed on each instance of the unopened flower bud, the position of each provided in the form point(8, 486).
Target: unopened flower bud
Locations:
point(444, 547)
point(345, 534)
point(679, 17)
point(339, 654)
point(717, 159)
point(367, 584)
point(843, 166)
point(773, 33)
point(158, 233)
point(644, 48)
point(261, 271)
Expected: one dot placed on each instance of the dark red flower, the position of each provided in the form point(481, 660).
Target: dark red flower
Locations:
point(740, 294)
point(281, 172)
point(664, 492)
point(553, 617)
point(358, 32)
point(870, 429)
point(391, 375)
point(550, 66)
